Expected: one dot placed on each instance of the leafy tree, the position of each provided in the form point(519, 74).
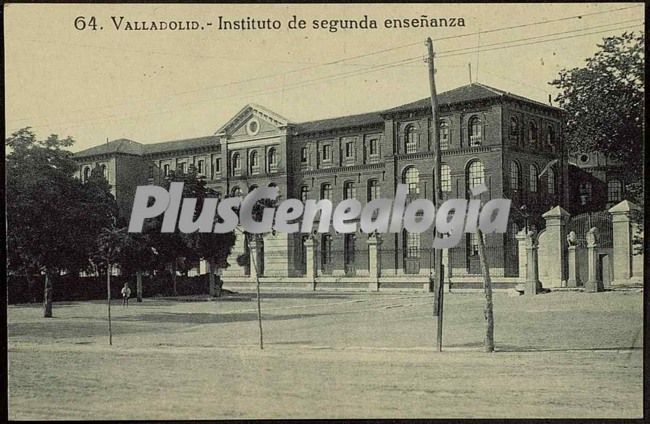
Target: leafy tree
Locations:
point(605, 104)
point(181, 250)
point(211, 247)
point(53, 220)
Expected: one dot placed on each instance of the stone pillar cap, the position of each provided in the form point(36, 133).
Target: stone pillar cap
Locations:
point(556, 212)
point(624, 206)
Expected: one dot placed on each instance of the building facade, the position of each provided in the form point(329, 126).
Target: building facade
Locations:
point(511, 144)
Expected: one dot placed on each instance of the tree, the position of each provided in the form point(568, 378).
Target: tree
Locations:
point(605, 102)
point(52, 218)
point(178, 249)
point(214, 248)
point(110, 244)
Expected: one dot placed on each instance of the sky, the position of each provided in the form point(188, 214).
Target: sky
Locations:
point(153, 86)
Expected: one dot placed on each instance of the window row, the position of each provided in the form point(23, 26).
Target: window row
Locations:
point(532, 132)
point(254, 162)
point(475, 175)
point(87, 172)
point(474, 135)
point(373, 191)
point(371, 149)
point(533, 178)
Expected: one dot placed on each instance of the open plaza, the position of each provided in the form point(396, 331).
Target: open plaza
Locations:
point(329, 354)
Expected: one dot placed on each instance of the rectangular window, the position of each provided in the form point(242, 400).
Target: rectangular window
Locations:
point(303, 155)
point(181, 167)
point(374, 147)
point(349, 149)
point(326, 249)
point(411, 147)
point(614, 191)
point(327, 152)
point(445, 177)
point(200, 167)
point(166, 170)
point(374, 190)
point(326, 192)
point(412, 245)
point(473, 244)
point(444, 136)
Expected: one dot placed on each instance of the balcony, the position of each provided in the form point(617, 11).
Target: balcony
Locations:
point(475, 140)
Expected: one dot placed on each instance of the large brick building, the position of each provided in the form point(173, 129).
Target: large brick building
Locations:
point(487, 135)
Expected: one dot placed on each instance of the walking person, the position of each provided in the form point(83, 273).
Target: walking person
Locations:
point(126, 293)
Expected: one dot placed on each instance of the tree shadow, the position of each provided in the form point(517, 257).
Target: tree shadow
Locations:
point(506, 348)
point(209, 318)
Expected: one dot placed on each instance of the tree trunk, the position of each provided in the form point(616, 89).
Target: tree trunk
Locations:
point(213, 291)
point(175, 292)
point(487, 287)
point(47, 296)
point(218, 285)
point(138, 285)
point(108, 288)
point(30, 287)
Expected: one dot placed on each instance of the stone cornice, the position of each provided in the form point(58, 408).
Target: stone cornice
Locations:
point(172, 154)
point(335, 132)
point(335, 170)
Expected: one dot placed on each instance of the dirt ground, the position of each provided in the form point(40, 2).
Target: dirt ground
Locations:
point(329, 355)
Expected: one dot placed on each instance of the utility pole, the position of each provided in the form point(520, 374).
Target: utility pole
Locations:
point(438, 288)
point(469, 67)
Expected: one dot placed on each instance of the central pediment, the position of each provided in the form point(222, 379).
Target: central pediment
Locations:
point(253, 121)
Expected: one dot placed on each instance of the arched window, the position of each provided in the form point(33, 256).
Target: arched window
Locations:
point(444, 135)
point(514, 127)
point(349, 190)
point(86, 174)
point(532, 178)
point(474, 131)
point(411, 245)
point(104, 174)
point(475, 174)
point(411, 139)
point(272, 159)
point(326, 191)
point(445, 177)
point(304, 192)
point(412, 179)
point(236, 163)
point(254, 163)
point(550, 136)
point(515, 176)
point(374, 190)
point(236, 191)
point(614, 191)
point(532, 133)
point(550, 181)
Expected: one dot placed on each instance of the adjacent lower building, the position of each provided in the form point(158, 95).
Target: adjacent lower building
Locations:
point(511, 144)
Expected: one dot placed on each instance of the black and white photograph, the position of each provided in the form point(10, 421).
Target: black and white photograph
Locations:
point(338, 211)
